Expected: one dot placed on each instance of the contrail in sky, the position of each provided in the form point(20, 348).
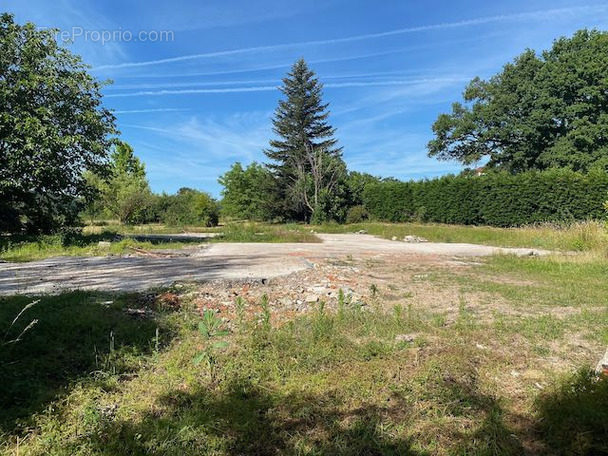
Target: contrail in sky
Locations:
point(271, 88)
point(541, 14)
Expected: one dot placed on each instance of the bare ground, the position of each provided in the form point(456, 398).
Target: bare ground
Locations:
point(238, 261)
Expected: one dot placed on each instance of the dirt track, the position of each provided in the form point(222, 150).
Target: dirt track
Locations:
point(218, 261)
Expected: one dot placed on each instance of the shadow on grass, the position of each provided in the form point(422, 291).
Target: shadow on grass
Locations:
point(574, 416)
point(242, 418)
point(70, 341)
point(247, 420)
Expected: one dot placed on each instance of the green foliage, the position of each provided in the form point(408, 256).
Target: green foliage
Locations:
point(574, 414)
point(357, 182)
point(306, 163)
point(211, 329)
point(52, 128)
point(357, 214)
point(249, 193)
point(542, 111)
point(210, 326)
point(496, 199)
point(125, 192)
point(188, 207)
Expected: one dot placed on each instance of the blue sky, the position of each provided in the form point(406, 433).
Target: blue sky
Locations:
point(194, 104)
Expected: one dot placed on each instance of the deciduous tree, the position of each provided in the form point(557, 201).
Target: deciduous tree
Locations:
point(541, 111)
point(53, 127)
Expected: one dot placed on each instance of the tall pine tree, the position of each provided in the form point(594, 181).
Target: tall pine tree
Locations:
point(306, 161)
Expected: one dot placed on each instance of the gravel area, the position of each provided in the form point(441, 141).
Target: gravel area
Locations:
point(208, 262)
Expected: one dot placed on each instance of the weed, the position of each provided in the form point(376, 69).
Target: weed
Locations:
point(323, 324)
point(373, 288)
point(398, 312)
point(239, 305)
point(264, 304)
point(24, 330)
point(341, 304)
point(210, 328)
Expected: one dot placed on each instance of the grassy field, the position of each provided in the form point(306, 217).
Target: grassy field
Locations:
point(505, 371)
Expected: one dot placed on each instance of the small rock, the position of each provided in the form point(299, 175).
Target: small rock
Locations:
point(104, 244)
point(515, 373)
point(394, 238)
point(602, 366)
point(319, 289)
point(361, 232)
point(411, 239)
point(481, 347)
point(312, 298)
point(285, 301)
point(405, 338)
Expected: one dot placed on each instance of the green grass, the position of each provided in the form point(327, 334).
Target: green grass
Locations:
point(574, 237)
point(86, 243)
point(333, 381)
point(502, 372)
point(257, 232)
point(75, 335)
point(30, 248)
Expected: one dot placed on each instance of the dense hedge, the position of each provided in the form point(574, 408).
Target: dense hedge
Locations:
point(497, 199)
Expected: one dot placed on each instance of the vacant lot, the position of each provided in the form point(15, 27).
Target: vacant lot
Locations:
point(142, 269)
point(392, 348)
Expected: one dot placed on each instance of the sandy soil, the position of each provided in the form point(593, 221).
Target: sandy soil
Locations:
point(222, 261)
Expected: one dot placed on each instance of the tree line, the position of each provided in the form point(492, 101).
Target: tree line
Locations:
point(495, 198)
point(61, 156)
point(125, 195)
point(540, 127)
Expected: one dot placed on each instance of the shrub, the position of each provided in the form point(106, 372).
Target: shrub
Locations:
point(496, 199)
point(357, 214)
point(188, 207)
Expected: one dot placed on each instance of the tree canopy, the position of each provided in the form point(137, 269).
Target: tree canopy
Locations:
point(542, 111)
point(125, 193)
point(249, 193)
point(306, 161)
point(52, 128)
